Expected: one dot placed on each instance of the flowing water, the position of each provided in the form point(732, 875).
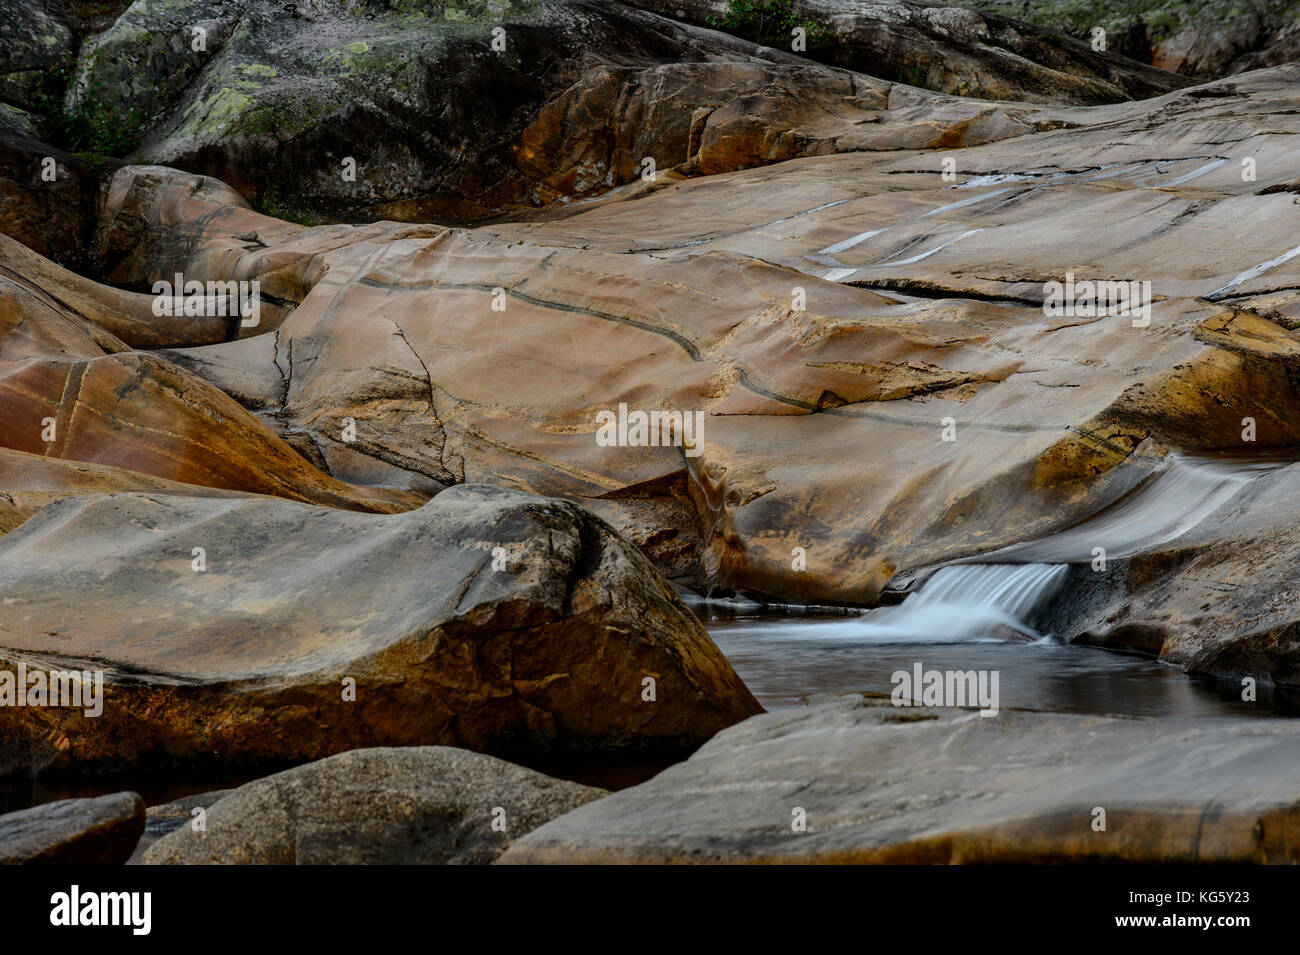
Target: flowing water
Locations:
point(965, 616)
point(979, 616)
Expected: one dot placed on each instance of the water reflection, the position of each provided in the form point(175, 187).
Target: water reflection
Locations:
point(787, 657)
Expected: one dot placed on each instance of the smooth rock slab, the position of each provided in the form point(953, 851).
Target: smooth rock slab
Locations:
point(488, 619)
point(881, 784)
point(399, 806)
point(100, 831)
point(823, 426)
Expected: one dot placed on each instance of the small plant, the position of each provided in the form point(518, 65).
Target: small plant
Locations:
point(275, 204)
point(93, 129)
point(769, 22)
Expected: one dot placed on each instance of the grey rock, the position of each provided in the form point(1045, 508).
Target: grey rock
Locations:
point(99, 831)
point(397, 806)
point(168, 817)
point(881, 784)
point(948, 48)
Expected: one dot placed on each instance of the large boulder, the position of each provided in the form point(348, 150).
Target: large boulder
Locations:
point(241, 630)
point(859, 781)
point(419, 805)
point(99, 831)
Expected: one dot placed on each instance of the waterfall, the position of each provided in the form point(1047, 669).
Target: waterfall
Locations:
point(970, 602)
point(992, 600)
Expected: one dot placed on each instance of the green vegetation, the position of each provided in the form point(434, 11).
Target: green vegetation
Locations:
point(770, 22)
point(914, 77)
point(95, 129)
point(276, 204)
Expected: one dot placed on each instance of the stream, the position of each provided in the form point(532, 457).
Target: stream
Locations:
point(979, 615)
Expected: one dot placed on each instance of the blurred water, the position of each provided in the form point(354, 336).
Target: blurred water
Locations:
point(1185, 491)
point(968, 601)
point(787, 658)
point(999, 595)
point(975, 616)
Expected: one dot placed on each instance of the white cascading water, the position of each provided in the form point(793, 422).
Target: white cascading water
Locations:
point(971, 601)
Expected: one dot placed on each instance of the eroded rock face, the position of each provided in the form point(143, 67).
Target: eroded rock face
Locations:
point(823, 427)
point(946, 787)
point(1213, 39)
point(950, 49)
point(834, 319)
point(46, 195)
point(362, 112)
point(487, 619)
point(420, 805)
point(70, 389)
point(99, 831)
point(1220, 600)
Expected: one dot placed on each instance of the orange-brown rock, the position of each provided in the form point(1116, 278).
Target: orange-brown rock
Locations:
point(823, 427)
point(70, 389)
point(28, 482)
point(486, 619)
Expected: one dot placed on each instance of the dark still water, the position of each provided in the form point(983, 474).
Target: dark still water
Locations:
point(787, 657)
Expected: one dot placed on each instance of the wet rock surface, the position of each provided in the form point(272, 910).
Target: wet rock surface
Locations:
point(859, 781)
